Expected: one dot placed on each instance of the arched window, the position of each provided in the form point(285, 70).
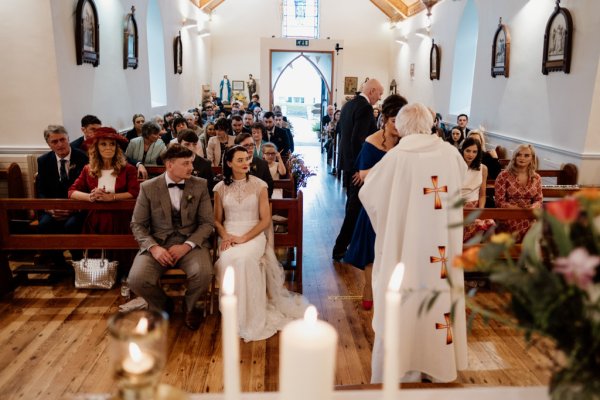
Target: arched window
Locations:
point(300, 18)
point(465, 52)
point(156, 56)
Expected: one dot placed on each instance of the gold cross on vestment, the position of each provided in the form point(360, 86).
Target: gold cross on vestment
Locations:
point(436, 190)
point(446, 326)
point(443, 259)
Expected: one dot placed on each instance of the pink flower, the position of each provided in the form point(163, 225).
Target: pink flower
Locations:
point(566, 210)
point(578, 269)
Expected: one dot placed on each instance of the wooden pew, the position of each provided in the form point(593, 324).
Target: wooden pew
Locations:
point(10, 241)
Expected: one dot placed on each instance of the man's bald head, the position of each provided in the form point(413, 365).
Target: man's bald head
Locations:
point(373, 89)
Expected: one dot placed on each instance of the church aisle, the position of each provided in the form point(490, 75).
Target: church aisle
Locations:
point(53, 339)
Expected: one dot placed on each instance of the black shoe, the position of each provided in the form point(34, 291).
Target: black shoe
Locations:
point(193, 319)
point(169, 307)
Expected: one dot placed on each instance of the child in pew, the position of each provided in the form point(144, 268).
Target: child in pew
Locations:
point(273, 158)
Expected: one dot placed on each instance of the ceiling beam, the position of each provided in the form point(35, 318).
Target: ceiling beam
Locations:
point(388, 10)
point(207, 6)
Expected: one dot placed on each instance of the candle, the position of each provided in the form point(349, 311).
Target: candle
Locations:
point(231, 341)
point(391, 337)
point(137, 362)
point(307, 359)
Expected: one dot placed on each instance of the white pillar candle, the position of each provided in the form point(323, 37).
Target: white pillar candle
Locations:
point(307, 359)
point(391, 337)
point(137, 362)
point(231, 341)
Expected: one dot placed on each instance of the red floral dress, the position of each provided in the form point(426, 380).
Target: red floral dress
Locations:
point(509, 193)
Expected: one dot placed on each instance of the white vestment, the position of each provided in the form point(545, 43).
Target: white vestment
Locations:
point(400, 195)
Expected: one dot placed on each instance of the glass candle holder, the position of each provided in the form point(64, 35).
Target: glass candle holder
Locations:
point(138, 352)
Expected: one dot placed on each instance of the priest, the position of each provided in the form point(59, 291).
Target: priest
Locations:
point(415, 223)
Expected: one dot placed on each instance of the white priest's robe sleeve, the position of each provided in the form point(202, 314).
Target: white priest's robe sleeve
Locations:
point(409, 196)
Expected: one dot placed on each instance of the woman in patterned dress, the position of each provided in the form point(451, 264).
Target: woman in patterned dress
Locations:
point(519, 186)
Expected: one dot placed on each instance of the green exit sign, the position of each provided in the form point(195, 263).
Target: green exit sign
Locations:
point(302, 42)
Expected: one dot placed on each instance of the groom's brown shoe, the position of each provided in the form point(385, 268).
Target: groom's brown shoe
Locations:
point(193, 318)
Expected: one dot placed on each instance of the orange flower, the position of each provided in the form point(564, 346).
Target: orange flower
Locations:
point(591, 194)
point(565, 210)
point(468, 259)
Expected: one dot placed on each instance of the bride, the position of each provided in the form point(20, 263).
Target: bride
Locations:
point(243, 222)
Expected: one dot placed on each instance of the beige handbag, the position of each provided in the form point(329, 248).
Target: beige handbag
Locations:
point(95, 273)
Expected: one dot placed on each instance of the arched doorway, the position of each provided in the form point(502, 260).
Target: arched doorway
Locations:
point(300, 82)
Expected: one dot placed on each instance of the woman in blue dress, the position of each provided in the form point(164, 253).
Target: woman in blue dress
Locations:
point(361, 251)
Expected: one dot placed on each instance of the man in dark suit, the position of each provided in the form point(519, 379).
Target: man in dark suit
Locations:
point(275, 135)
point(279, 123)
point(357, 122)
point(57, 170)
point(89, 124)
point(172, 222)
point(202, 167)
point(259, 167)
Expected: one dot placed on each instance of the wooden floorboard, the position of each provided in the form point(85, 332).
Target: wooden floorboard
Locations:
point(53, 339)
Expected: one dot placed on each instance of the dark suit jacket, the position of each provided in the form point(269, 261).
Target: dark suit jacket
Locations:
point(203, 169)
point(48, 184)
point(78, 144)
point(357, 122)
point(279, 138)
point(288, 132)
point(260, 169)
point(152, 224)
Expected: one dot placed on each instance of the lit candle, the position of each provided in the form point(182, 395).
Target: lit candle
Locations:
point(231, 341)
point(307, 358)
point(137, 362)
point(391, 337)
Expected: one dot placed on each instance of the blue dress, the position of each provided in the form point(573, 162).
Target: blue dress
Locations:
point(361, 251)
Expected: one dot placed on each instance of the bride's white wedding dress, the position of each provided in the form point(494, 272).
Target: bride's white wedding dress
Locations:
point(264, 304)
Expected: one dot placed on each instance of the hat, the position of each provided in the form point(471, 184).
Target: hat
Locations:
point(106, 132)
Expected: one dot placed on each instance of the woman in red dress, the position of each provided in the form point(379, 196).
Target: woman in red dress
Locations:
point(519, 186)
point(108, 177)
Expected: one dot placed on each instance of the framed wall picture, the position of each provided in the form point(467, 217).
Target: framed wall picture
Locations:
point(177, 54)
point(434, 61)
point(501, 51)
point(87, 37)
point(130, 41)
point(557, 41)
point(350, 85)
point(238, 86)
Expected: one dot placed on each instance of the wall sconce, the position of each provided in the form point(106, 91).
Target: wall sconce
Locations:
point(423, 33)
point(401, 41)
point(203, 33)
point(187, 23)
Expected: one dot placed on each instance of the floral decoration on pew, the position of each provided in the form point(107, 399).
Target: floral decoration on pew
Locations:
point(299, 170)
point(554, 288)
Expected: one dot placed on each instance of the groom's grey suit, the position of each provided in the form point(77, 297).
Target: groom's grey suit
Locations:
point(156, 222)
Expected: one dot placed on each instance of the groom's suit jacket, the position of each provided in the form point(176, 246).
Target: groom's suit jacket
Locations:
point(152, 223)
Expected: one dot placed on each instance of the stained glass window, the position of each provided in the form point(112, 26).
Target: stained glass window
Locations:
point(300, 18)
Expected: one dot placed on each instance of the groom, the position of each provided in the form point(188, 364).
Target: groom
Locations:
point(172, 222)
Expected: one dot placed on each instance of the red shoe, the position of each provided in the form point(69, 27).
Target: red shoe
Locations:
point(367, 304)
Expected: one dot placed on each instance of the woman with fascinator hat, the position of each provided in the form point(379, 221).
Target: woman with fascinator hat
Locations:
point(108, 177)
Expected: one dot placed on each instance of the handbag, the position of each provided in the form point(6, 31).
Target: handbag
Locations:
point(95, 273)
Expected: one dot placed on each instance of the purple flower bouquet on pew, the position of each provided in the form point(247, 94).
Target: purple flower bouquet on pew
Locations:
point(554, 288)
point(299, 170)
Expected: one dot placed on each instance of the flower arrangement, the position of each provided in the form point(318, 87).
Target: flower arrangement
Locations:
point(299, 170)
point(554, 287)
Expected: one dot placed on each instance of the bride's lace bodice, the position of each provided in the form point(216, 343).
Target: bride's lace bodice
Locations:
point(240, 199)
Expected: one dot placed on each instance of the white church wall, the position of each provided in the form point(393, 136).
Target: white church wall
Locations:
point(49, 87)
point(550, 111)
point(243, 32)
point(29, 89)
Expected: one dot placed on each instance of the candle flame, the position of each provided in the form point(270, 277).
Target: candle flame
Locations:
point(134, 352)
point(142, 326)
point(228, 281)
point(397, 277)
point(310, 315)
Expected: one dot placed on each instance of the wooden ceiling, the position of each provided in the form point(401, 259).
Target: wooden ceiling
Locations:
point(395, 10)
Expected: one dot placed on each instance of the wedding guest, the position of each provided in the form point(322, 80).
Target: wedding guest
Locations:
point(89, 124)
point(202, 167)
point(273, 158)
point(258, 131)
point(361, 251)
point(519, 186)
point(138, 120)
point(145, 150)
point(220, 142)
point(456, 137)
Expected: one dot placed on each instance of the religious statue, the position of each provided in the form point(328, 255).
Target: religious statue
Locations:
point(393, 86)
point(251, 86)
point(225, 89)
